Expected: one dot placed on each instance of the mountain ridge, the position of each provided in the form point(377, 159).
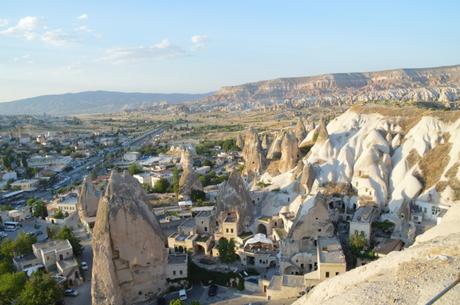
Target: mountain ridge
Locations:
point(98, 101)
point(433, 84)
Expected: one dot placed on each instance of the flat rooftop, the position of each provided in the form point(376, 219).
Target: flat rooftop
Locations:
point(177, 259)
point(365, 214)
point(203, 214)
point(330, 251)
point(53, 245)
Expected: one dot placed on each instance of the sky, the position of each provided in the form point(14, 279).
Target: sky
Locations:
point(53, 47)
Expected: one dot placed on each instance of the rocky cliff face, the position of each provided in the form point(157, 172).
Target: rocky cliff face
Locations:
point(88, 199)
point(428, 84)
point(130, 257)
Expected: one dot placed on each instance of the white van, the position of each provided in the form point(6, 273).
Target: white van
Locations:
point(183, 294)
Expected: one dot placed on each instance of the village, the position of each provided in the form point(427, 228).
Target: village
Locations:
point(239, 213)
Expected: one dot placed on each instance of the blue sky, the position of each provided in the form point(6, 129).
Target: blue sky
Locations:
point(51, 47)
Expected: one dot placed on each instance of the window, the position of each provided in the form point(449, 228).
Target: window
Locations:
point(337, 273)
point(327, 274)
point(180, 272)
point(206, 229)
point(226, 230)
point(174, 272)
point(231, 230)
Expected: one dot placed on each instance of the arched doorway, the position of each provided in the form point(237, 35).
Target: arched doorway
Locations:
point(261, 228)
point(199, 249)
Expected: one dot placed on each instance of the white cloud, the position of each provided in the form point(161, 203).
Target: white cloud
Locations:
point(57, 38)
point(163, 49)
point(84, 29)
point(26, 58)
point(83, 17)
point(199, 41)
point(25, 28)
point(3, 22)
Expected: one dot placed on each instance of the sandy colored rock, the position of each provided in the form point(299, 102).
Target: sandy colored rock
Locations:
point(300, 131)
point(189, 179)
point(307, 177)
point(233, 196)
point(412, 276)
point(274, 153)
point(252, 154)
point(239, 142)
point(265, 141)
point(129, 253)
point(88, 199)
point(289, 152)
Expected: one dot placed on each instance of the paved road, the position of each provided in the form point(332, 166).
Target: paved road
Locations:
point(84, 291)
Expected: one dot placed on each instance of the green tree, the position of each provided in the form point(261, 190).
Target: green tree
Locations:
point(161, 186)
point(175, 181)
point(23, 243)
point(6, 266)
point(226, 249)
point(40, 209)
point(240, 285)
point(229, 145)
point(7, 249)
point(176, 302)
point(11, 285)
point(41, 289)
point(59, 214)
point(66, 233)
point(197, 195)
point(357, 242)
point(134, 169)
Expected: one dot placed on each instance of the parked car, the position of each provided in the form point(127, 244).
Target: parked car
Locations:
point(161, 301)
point(212, 291)
point(70, 292)
point(84, 266)
point(183, 294)
point(3, 234)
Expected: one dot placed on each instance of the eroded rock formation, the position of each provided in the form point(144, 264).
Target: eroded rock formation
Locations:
point(88, 199)
point(274, 153)
point(289, 152)
point(300, 131)
point(129, 253)
point(233, 196)
point(189, 179)
point(252, 154)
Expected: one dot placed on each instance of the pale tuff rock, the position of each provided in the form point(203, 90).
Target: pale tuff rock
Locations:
point(88, 199)
point(265, 141)
point(307, 177)
point(323, 135)
point(130, 257)
point(289, 152)
point(252, 154)
point(189, 179)
point(274, 153)
point(239, 142)
point(300, 131)
point(318, 134)
point(233, 196)
point(312, 221)
point(412, 276)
